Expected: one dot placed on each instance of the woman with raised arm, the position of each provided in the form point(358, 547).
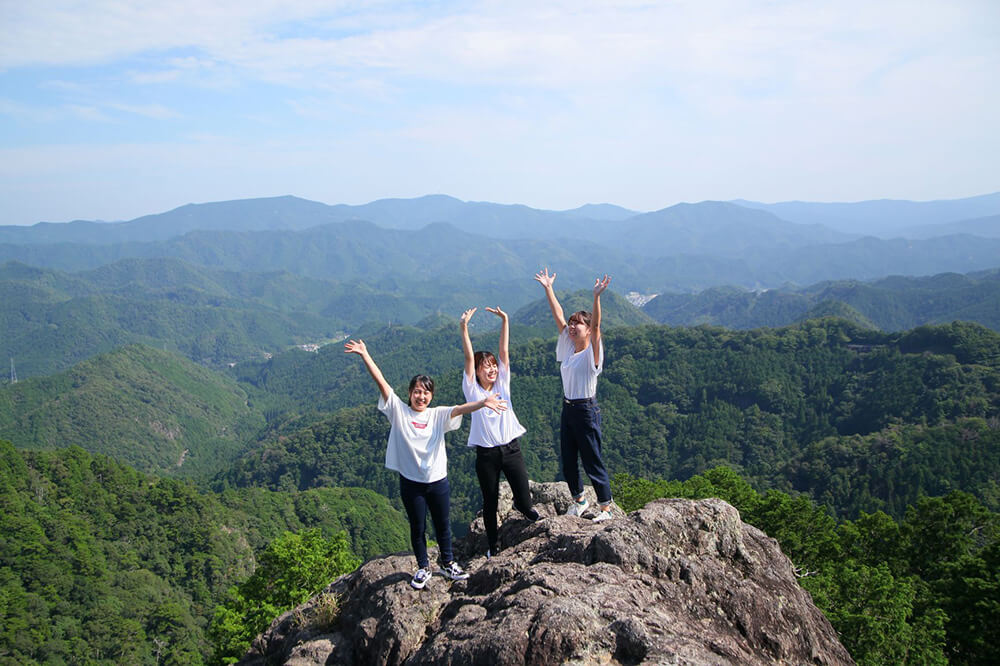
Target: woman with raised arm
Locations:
point(494, 434)
point(416, 451)
point(581, 358)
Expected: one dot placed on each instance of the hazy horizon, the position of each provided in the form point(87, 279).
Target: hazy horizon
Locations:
point(114, 110)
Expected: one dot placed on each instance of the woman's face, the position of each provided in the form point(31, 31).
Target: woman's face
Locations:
point(487, 373)
point(578, 331)
point(420, 398)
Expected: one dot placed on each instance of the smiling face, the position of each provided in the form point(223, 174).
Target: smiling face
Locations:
point(486, 369)
point(421, 392)
point(578, 329)
point(420, 398)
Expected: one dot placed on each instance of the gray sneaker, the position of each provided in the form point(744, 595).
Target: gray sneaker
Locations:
point(602, 516)
point(454, 571)
point(577, 508)
point(420, 579)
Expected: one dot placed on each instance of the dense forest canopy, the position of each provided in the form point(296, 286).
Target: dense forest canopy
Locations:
point(860, 420)
point(100, 563)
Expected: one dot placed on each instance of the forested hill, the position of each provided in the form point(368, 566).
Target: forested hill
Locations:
point(102, 564)
point(151, 409)
point(50, 320)
point(892, 304)
point(859, 419)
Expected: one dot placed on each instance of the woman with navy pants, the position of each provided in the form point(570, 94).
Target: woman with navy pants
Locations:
point(580, 354)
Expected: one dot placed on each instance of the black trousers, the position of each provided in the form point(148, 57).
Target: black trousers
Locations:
point(490, 462)
point(419, 498)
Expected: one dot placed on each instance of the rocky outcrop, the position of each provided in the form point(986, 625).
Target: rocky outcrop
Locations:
point(677, 582)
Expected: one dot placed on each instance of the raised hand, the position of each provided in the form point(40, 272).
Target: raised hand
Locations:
point(497, 311)
point(358, 347)
point(600, 284)
point(355, 347)
point(467, 315)
point(544, 278)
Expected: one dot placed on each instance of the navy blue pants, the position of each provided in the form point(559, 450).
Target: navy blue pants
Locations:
point(490, 462)
point(580, 436)
point(418, 499)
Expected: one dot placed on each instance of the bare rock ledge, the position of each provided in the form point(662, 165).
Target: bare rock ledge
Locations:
point(677, 582)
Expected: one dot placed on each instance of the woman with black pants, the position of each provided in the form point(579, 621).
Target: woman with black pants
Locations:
point(494, 434)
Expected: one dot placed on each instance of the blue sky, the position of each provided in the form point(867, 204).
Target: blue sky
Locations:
point(113, 109)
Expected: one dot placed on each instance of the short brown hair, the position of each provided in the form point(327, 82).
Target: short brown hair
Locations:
point(481, 358)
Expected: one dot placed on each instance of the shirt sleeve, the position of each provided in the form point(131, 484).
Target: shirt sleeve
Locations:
point(445, 421)
point(468, 386)
point(388, 406)
point(503, 376)
point(564, 346)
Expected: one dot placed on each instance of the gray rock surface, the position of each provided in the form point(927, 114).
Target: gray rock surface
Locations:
point(678, 582)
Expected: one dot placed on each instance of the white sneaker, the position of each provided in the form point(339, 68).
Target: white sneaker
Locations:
point(420, 579)
point(577, 508)
point(602, 516)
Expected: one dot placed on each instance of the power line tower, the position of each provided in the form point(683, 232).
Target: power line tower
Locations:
point(13, 372)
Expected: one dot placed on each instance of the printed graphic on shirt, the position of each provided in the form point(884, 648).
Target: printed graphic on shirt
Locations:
point(418, 425)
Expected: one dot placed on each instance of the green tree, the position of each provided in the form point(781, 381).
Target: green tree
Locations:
point(294, 567)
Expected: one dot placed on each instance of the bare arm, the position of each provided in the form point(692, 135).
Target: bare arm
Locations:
point(600, 284)
point(504, 350)
point(547, 281)
point(358, 347)
point(493, 402)
point(470, 359)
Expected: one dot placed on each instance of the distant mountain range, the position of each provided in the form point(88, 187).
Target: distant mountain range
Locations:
point(887, 218)
point(489, 250)
point(227, 281)
point(598, 222)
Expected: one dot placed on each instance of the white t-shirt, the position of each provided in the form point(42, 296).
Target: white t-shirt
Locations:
point(416, 439)
point(579, 374)
point(489, 428)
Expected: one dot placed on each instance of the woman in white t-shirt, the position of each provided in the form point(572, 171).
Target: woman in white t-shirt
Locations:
point(416, 451)
point(581, 358)
point(494, 434)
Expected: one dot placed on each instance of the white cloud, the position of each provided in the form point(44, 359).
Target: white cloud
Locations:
point(552, 104)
